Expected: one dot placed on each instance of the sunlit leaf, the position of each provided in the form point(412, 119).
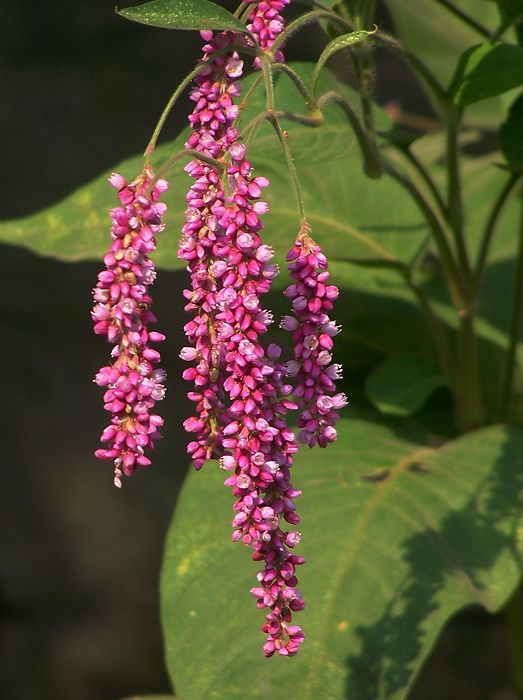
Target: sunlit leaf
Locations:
point(389, 561)
point(485, 71)
point(183, 14)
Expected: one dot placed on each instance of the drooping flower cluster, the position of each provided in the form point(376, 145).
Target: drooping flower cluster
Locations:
point(203, 242)
point(241, 389)
point(122, 313)
point(240, 392)
point(312, 335)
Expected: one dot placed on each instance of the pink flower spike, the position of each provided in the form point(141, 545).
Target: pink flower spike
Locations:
point(122, 313)
point(312, 334)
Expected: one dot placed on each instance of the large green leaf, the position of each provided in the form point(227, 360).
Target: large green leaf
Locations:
point(352, 219)
point(485, 71)
point(398, 536)
point(183, 14)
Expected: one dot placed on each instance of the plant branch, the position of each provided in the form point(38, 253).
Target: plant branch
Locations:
point(296, 79)
point(470, 21)
point(303, 21)
point(490, 227)
point(439, 335)
point(454, 195)
point(514, 329)
point(372, 164)
point(425, 176)
point(458, 291)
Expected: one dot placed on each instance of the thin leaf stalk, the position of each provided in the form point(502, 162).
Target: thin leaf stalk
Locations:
point(422, 171)
point(303, 21)
point(372, 165)
point(454, 191)
point(490, 227)
point(297, 80)
point(291, 165)
point(457, 288)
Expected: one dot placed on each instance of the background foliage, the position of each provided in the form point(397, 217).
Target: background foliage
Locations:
point(427, 529)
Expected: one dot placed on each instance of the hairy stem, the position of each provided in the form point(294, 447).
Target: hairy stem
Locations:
point(515, 325)
point(296, 79)
point(306, 19)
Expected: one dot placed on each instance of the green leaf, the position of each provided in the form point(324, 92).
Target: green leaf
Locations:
point(401, 385)
point(353, 220)
point(389, 561)
point(341, 42)
point(438, 38)
point(510, 135)
point(183, 14)
point(485, 71)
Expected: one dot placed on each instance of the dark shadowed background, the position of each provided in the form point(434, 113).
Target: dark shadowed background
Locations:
point(79, 560)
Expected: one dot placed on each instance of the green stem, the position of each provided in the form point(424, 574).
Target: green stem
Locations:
point(246, 98)
point(425, 176)
point(364, 77)
point(291, 165)
point(439, 335)
point(490, 227)
point(468, 405)
point(514, 618)
point(269, 85)
point(273, 119)
point(454, 195)
point(372, 164)
point(474, 24)
point(515, 325)
point(457, 289)
point(304, 90)
point(303, 21)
